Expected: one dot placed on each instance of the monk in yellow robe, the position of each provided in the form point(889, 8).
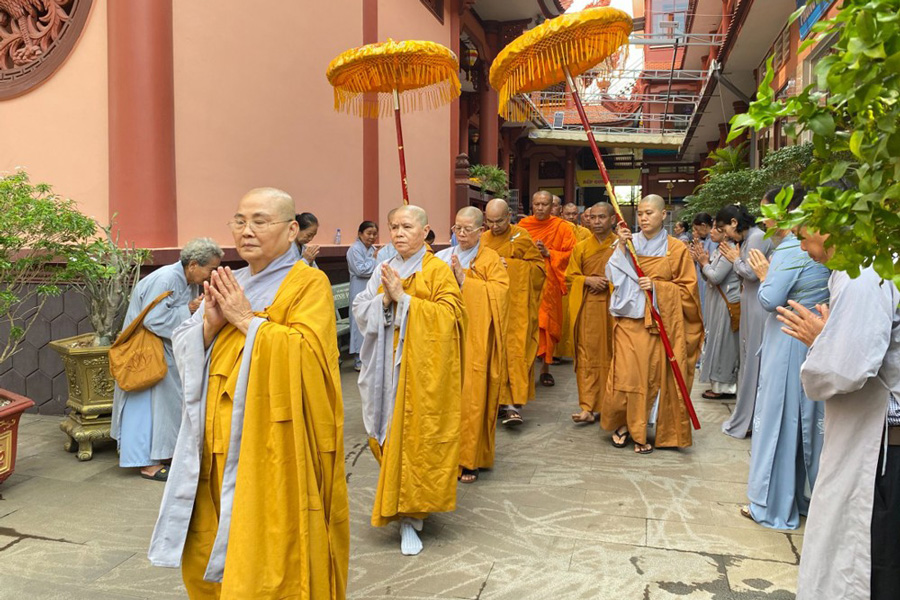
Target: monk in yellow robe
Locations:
point(256, 502)
point(484, 282)
point(555, 240)
point(640, 368)
point(526, 270)
point(588, 301)
point(412, 320)
point(566, 345)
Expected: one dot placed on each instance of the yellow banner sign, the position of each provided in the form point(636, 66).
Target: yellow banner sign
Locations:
point(617, 177)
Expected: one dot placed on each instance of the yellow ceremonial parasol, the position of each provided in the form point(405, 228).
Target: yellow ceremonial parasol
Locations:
point(553, 52)
point(376, 79)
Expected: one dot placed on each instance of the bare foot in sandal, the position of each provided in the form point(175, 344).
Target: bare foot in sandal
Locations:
point(642, 448)
point(468, 476)
point(586, 417)
point(620, 437)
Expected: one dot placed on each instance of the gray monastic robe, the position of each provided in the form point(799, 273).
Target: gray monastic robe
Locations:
point(721, 354)
point(361, 263)
point(753, 319)
point(170, 533)
point(853, 366)
point(164, 414)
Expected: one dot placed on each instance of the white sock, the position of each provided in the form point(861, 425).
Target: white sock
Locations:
point(410, 544)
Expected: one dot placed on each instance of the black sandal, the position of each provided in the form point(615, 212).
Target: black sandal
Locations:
point(547, 380)
point(161, 475)
point(622, 435)
point(471, 473)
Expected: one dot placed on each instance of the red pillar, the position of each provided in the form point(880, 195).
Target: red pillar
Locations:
point(370, 166)
point(569, 182)
point(489, 124)
point(142, 189)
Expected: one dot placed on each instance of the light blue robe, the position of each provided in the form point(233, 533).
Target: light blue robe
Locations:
point(710, 247)
point(753, 319)
point(361, 263)
point(721, 350)
point(386, 253)
point(146, 422)
point(788, 427)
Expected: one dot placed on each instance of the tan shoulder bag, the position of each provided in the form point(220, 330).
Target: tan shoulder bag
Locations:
point(137, 359)
point(734, 310)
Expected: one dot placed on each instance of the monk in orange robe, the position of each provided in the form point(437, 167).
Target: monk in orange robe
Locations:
point(588, 301)
point(256, 502)
point(484, 284)
point(412, 319)
point(526, 270)
point(640, 368)
point(555, 240)
point(566, 345)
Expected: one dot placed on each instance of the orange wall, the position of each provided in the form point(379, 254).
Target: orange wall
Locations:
point(426, 135)
point(253, 108)
point(58, 131)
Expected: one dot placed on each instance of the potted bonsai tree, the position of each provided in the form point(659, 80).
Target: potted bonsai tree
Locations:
point(39, 234)
point(107, 273)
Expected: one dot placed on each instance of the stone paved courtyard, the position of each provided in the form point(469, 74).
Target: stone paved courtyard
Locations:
point(563, 515)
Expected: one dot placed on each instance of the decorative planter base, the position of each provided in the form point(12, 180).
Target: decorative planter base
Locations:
point(90, 394)
point(11, 408)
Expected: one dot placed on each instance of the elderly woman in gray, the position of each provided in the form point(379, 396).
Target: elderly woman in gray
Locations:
point(146, 422)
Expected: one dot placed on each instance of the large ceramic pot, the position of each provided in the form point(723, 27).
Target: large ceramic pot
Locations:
point(90, 393)
point(11, 408)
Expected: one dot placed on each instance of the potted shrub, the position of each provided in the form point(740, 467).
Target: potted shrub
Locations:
point(107, 273)
point(490, 178)
point(39, 232)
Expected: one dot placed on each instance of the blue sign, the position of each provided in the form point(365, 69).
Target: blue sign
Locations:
point(814, 11)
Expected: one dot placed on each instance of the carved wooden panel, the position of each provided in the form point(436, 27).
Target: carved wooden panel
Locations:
point(36, 36)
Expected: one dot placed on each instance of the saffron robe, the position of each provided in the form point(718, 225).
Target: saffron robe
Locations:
point(559, 238)
point(753, 320)
point(259, 462)
point(784, 459)
point(592, 324)
point(146, 422)
point(410, 385)
point(853, 367)
point(527, 272)
point(485, 293)
point(640, 368)
point(566, 346)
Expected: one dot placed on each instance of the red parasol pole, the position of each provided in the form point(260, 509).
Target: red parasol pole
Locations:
point(400, 147)
point(673, 363)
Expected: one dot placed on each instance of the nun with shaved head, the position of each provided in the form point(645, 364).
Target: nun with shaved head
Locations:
point(412, 321)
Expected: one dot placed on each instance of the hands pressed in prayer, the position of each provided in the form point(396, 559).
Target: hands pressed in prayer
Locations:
point(230, 299)
point(392, 284)
point(213, 318)
point(311, 252)
point(542, 248)
point(645, 283)
point(596, 284)
point(759, 263)
point(731, 253)
point(377, 250)
point(801, 323)
point(699, 253)
point(458, 271)
point(194, 304)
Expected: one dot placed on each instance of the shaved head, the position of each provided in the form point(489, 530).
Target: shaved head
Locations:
point(604, 207)
point(416, 212)
point(570, 212)
point(279, 202)
point(470, 212)
point(658, 202)
point(496, 208)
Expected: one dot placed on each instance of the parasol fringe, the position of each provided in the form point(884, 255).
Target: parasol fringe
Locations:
point(424, 98)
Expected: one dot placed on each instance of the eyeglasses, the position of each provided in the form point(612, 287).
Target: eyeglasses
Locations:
point(466, 230)
point(238, 225)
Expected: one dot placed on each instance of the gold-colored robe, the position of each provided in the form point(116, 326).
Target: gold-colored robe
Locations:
point(566, 345)
point(527, 273)
point(420, 455)
point(485, 293)
point(289, 535)
point(640, 367)
point(592, 324)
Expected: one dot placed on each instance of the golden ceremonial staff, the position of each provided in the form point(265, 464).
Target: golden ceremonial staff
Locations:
point(377, 79)
point(551, 53)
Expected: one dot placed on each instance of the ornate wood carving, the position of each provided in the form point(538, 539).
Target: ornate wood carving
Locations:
point(36, 36)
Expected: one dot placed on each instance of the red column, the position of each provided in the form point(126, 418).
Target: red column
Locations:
point(142, 122)
point(370, 166)
point(569, 182)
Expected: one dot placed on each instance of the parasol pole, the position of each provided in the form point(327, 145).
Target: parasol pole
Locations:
point(670, 354)
point(400, 147)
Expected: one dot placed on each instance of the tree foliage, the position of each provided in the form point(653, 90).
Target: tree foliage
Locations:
point(852, 112)
point(491, 178)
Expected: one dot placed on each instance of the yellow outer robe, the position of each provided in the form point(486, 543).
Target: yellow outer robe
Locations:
point(592, 324)
point(485, 293)
point(527, 271)
point(566, 345)
point(289, 535)
point(420, 456)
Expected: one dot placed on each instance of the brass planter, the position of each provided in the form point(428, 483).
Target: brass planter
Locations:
point(90, 393)
point(11, 408)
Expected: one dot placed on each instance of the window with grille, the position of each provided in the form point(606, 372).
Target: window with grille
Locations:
point(669, 10)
